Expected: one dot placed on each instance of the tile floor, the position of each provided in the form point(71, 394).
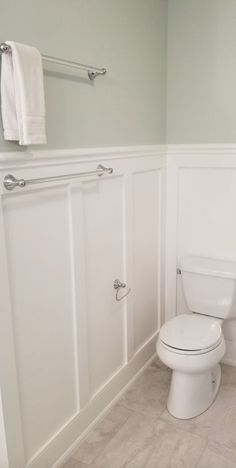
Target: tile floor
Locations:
point(138, 432)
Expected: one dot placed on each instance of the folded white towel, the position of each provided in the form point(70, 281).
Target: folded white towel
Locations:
point(22, 95)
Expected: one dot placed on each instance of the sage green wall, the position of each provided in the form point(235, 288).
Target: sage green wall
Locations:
point(201, 90)
point(129, 37)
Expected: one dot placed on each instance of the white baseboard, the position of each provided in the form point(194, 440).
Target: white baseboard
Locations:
point(56, 450)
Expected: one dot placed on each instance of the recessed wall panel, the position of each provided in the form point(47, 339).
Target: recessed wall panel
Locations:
point(206, 217)
point(104, 245)
point(38, 253)
point(146, 239)
point(206, 212)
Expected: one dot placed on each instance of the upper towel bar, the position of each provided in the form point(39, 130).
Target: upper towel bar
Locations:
point(93, 72)
point(10, 182)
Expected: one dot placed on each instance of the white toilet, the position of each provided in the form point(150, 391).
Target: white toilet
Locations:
point(192, 345)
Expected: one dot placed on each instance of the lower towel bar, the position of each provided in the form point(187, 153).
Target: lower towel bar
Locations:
point(10, 182)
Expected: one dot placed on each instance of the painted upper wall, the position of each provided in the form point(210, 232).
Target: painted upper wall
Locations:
point(201, 90)
point(129, 37)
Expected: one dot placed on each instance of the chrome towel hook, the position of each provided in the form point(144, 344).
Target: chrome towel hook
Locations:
point(118, 285)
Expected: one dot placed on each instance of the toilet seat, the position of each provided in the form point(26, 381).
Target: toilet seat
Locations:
point(190, 352)
point(191, 334)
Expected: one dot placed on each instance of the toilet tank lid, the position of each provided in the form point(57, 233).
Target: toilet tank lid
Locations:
point(208, 266)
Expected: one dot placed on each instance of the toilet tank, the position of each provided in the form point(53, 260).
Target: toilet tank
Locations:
point(209, 285)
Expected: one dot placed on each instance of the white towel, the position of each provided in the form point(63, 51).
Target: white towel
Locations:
point(22, 95)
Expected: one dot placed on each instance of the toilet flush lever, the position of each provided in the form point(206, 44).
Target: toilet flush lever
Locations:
point(118, 285)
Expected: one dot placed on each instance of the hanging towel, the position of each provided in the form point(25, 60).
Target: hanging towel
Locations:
point(22, 95)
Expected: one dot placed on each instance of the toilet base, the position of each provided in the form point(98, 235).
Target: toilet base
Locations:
point(192, 394)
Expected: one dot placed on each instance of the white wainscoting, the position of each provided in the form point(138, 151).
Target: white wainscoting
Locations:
point(67, 348)
point(200, 216)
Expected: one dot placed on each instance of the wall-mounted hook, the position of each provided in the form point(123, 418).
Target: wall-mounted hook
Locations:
point(118, 285)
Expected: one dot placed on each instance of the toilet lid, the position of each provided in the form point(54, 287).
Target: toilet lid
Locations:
point(191, 332)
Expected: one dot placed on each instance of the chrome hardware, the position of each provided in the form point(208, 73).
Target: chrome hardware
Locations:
point(178, 271)
point(118, 285)
point(101, 169)
point(4, 48)
point(93, 72)
point(10, 182)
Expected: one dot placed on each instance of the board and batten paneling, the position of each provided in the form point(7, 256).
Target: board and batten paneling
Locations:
point(70, 346)
point(201, 200)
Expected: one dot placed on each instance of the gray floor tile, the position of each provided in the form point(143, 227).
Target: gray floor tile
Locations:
point(72, 463)
point(228, 375)
point(151, 444)
point(138, 432)
point(213, 459)
point(148, 394)
point(101, 434)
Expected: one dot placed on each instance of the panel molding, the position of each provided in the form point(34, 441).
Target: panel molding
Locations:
point(10, 398)
point(168, 160)
point(126, 161)
point(201, 149)
point(141, 175)
point(78, 295)
point(31, 158)
point(69, 156)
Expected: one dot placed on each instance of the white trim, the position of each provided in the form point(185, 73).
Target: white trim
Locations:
point(203, 149)
point(114, 152)
point(34, 158)
point(4, 462)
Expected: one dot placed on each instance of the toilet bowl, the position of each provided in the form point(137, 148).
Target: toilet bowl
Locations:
point(192, 346)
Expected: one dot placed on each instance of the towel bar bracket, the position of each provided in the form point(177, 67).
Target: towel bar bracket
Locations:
point(4, 48)
point(10, 182)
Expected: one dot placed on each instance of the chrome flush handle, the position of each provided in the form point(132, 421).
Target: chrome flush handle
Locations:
point(118, 285)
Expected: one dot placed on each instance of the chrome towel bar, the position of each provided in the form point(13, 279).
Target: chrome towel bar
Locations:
point(10, 182)
point(93, 72)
